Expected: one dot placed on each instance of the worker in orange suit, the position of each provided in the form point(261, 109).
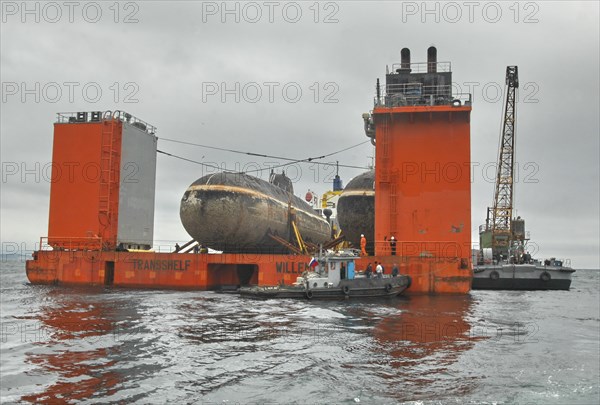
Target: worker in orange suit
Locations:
point(363, 245)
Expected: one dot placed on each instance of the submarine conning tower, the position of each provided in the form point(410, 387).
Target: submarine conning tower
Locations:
point(421, 133)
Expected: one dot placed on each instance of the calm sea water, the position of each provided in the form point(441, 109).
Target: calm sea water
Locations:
point(115, 346)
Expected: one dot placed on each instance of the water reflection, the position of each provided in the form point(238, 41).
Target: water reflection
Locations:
point(74, 335)
point(424, 343)
point(112, 346)
point(410, 346)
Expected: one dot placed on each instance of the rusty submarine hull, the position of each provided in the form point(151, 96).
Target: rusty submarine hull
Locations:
point(356, 210)
point(238, 213)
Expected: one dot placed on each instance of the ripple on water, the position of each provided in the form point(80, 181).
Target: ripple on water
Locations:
point(113, 345)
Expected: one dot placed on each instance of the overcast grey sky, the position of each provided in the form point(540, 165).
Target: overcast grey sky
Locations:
point(176, 65)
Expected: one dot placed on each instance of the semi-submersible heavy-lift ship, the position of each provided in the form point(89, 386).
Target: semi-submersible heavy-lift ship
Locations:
point(101, 224)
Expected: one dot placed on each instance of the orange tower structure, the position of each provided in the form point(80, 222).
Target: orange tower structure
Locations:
point(103, 180)
point(421, 133)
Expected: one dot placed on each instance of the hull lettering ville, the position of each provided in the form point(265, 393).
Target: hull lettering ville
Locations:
point(291, 268)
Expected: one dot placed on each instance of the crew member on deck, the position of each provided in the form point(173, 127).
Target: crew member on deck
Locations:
point(393, 245)
point(363, 245)
point(379, 270)
point(369, 271)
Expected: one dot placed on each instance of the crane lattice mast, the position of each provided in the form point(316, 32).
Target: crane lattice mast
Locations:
point(503, 196)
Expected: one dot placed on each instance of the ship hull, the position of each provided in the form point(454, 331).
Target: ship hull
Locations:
point(347, 289)
point(194, 271)
point(521, 277)
point(219, 271)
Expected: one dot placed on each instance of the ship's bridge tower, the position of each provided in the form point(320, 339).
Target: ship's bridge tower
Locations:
point(421, 133)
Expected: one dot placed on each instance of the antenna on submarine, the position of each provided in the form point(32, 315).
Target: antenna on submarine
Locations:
point(337, 181)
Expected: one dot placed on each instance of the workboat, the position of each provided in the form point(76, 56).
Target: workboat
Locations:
point(333, 277)
point(550, 274)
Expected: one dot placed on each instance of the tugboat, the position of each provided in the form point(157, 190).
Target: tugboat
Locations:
point(333, 277)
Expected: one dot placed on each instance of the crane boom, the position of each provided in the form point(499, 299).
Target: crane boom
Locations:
point(503, 196)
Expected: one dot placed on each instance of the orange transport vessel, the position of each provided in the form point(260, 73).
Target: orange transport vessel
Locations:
point(103, 184)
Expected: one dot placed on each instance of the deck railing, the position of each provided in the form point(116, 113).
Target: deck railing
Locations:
point(425, 67)
point(416, 94)
point(99, 116)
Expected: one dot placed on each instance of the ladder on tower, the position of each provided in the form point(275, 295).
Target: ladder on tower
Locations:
point(393, 206)
point(384, 134)
point(108, 175)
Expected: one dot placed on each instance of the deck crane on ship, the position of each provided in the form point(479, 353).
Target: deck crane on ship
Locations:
point(503, 233)
point(503, 261)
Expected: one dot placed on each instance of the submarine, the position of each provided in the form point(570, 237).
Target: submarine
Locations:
point(356, 210)
point(237, 213)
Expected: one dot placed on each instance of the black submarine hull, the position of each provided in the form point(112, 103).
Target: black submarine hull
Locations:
point(356, 210)
point(235, 213)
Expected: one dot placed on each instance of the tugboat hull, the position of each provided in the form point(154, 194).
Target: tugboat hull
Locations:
point(355, 288)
